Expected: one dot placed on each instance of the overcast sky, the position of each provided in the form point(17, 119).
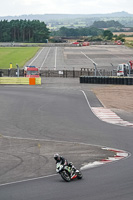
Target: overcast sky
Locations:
point(20, 7)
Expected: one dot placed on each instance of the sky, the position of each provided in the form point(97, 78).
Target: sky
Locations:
point(21, 7)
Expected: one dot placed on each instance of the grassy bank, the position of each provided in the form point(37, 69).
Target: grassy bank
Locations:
point(129, 42)
point(16, 55)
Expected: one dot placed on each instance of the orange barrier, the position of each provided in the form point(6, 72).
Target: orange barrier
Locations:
point(32, 81)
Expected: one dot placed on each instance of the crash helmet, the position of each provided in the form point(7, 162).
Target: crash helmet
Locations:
point(56, 156)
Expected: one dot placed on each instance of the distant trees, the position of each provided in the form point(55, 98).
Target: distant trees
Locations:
point(69, 32)
point(107, 24)
point(93, 33)
point(108, 35)
point(120, 37)
point(23, 31)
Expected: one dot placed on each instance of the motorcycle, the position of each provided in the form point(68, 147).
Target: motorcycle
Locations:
point(67, 173)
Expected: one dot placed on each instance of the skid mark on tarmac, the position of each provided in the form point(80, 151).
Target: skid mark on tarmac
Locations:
point(109, 116)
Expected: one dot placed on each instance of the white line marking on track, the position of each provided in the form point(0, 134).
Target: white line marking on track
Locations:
point(26, 180)
point(55, 58)
point(45, 58)
point(36, 57)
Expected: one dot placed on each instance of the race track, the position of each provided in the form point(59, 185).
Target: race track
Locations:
point(59, 111)
point(69, 58)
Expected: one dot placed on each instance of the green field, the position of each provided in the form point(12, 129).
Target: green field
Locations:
point(16, 55)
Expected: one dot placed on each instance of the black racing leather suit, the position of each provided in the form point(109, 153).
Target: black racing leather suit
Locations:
point(62, 160)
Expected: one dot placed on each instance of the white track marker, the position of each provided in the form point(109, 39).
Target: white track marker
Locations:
point(36, 57)
point(89, 58)
point(45, 58)
point(27, 180)
point(55, 58)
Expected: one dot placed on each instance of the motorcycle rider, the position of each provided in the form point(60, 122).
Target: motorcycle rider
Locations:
point(64, 162)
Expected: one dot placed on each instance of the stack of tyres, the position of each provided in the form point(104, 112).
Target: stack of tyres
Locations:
point(106, 79)
point(109, 80)
point(86, 79)
point(92, 79)
point(95, 80)
point(118, 80)
point(122, 80)
point(131, 81)
point(125, 81)
point(103, 80)
point(89, 79)
point(98, 80)
point(115, 80)
point(81, 79)
point(128, 81)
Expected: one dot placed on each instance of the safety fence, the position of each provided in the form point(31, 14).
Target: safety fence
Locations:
point(60, 73)
point(106, 80)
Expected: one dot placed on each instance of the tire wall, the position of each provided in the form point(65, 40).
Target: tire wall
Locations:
point(106, 80)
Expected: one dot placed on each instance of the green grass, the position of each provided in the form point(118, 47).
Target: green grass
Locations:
point(16, 55)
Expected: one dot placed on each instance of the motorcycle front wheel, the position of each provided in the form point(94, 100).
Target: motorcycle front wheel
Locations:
point(79, 175)
point(65, 175)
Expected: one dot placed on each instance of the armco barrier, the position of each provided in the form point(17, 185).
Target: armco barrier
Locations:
point(20, 81)
point(106, 80)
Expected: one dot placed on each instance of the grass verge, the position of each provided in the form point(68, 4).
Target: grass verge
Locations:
point(16, 55)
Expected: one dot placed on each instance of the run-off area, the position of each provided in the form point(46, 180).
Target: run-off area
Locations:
point(27, 158)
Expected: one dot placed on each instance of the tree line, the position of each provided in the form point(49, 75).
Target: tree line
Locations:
point(69, 32)
point(107, 24)
point(23, 31)
point(91, 32)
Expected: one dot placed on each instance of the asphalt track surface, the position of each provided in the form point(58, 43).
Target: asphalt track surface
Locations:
point(68, 58)
point(60, 112)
